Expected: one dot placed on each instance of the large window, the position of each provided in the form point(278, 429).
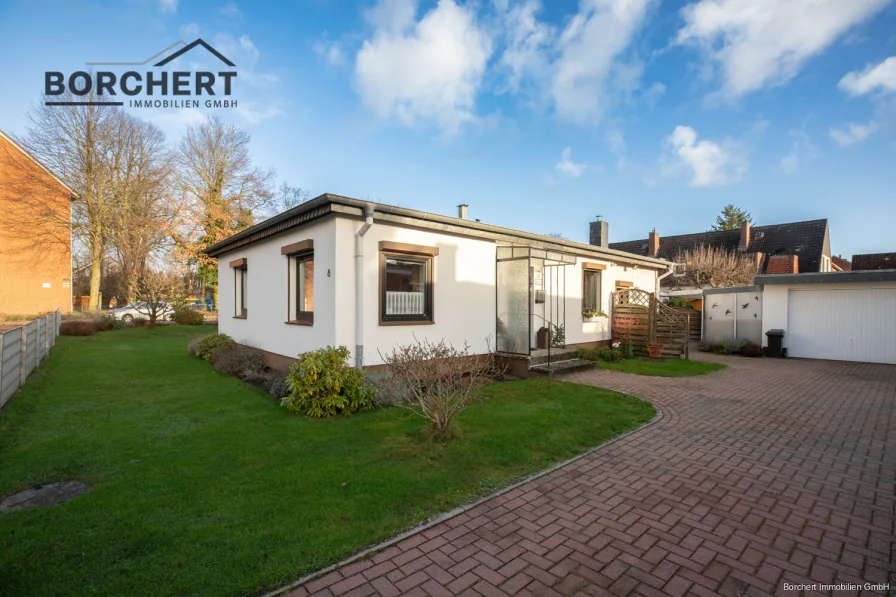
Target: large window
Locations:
point(591, 290)
point(406, 284)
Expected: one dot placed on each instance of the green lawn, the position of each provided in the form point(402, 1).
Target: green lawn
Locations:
point(202, 485)
point(661, 368)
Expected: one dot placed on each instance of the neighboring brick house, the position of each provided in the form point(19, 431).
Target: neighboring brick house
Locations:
point(35, 234)
point(797, 247)
point(871, 261)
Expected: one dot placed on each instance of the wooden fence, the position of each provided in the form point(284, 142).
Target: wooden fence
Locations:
point(638, 316)
point(22, 349)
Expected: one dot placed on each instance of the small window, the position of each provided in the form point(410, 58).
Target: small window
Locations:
point(406, 288)
point(590, 291)
point(240, 283)
point(301, 288)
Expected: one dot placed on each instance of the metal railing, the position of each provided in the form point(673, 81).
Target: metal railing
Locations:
point(22, 349)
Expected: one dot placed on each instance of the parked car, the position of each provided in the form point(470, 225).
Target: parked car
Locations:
point(131, 312)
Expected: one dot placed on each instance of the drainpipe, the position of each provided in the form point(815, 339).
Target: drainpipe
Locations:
point(359, 286)
point(660, 279)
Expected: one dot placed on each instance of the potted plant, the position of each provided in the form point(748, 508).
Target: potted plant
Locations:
point(655, 349)
point(592, 315)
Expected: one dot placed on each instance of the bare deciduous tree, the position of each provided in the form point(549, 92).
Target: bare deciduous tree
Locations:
point(156, 289)
point(142, 216)
point(439, 380)
point(221, 189)
point(715, 267)
point(78, 143)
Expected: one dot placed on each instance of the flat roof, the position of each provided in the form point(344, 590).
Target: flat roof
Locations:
point(880, 275)
point(329, 204)
point(730, 289)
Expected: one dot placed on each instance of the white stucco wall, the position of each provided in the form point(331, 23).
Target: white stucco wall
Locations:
point(578, 330)
point(264, 326)
point(463, 281)
point(775, 302)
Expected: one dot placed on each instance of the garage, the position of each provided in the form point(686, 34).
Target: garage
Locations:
point(843, 316)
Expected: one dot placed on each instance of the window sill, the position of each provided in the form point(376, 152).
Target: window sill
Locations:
point(306, 322)
point(240, 317)
point(420, 322)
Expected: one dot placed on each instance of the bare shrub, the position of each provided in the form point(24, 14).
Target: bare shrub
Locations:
point(240, 361)
point(78, 327)
point(715, 267)
point(439, 379)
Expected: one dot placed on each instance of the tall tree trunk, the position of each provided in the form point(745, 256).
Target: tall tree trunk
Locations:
point(95, 276)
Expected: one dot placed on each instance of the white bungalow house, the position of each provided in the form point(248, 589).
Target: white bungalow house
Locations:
point(341, 271)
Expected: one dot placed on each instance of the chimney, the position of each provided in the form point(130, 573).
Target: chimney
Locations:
point(783, 264)
point(599, 235)
point(462, 211)
point(758, 256)
point(653, 243)
point(744, 237)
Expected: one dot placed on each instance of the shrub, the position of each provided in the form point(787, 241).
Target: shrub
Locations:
point(388, 393)
point(209, 345)
point(184, 315)
point(751, 349)
point(141, 322)
point(106, 324)
point(241, 361)
point(441, 380)
point(78, 327)
point(277, 384)
point(601, 353)
point(322, 385)
point(677, 301)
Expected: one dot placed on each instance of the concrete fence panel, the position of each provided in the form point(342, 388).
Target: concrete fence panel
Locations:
point(22, 350)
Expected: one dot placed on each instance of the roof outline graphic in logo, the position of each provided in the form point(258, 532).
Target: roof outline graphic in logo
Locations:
point(166, 60)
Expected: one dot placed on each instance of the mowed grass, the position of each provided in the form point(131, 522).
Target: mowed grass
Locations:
point(203, 485)
point(662, 368)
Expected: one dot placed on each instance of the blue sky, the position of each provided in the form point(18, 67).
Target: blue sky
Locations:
point(539, 115)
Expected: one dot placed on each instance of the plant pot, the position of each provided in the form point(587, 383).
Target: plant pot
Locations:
point(655, 350)
point(543, 338)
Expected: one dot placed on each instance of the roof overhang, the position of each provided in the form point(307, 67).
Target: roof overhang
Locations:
point(880, 275)
point(328, 204)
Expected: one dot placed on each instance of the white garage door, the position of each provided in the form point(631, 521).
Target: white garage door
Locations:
point(842, 325)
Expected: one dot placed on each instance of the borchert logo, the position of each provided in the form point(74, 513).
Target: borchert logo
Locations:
point(168, 86)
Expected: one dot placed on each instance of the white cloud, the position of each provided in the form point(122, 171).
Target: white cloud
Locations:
point(654, 92)
point(710, 163)
point(330, 51)
point(616, 142)
point(765, 42)
point(231, 10)
point(528, 40)
point(254, 112)
point(853, 133)
point(875, 76)
point(168, 6)
point(802, 151)
point(588, 48)
point(189, 32)
point(567, 166)
point(426, 70)
point(245, 55)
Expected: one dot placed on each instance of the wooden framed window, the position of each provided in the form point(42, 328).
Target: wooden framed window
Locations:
point(406, 284)
point(591, 289)
point(301, 288)
point(300, 282)
point(241, 280)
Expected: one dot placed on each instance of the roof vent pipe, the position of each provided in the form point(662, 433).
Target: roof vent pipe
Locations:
point(462, 211)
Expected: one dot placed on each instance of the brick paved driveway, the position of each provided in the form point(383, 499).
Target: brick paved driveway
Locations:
point(768, 472)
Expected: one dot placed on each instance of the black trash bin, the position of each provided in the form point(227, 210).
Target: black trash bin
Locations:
point(775, 344)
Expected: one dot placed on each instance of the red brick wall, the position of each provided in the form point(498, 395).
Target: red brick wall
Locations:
point(783, 264)
point(35, 237)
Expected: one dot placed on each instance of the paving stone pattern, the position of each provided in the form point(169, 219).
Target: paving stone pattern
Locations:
point(771, 471)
